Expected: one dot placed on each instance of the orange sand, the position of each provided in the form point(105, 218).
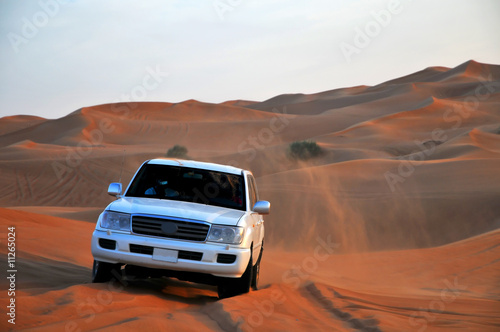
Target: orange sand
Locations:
point(406, 192)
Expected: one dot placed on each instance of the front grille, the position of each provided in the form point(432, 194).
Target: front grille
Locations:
point(226, 258)
point(177, 229)
point(107, 244)
point(183, 254)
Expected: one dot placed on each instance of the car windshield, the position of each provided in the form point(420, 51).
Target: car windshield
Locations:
point(189, 185)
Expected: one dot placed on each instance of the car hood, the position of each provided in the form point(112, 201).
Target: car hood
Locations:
point(178, 209)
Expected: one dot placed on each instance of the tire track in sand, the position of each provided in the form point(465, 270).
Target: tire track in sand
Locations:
point(360, 324)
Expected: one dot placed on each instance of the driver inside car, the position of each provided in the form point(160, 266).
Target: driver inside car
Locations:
point(161, 189)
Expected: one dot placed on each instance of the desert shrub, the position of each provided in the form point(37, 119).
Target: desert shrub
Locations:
point(177, 151)
point(304, 150)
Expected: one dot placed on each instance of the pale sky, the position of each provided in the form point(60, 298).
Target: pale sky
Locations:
point(60, 55)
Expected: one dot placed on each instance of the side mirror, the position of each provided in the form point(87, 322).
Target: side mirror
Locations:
point(262, 207)
point(115, 189)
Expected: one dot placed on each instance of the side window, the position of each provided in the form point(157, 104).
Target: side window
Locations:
point(252, 192)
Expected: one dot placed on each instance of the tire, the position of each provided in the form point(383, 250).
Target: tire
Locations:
point(104, 272)
point(256, 270)
point(229, 287)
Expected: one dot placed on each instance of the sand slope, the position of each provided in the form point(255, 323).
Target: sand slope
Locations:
point(438, 289)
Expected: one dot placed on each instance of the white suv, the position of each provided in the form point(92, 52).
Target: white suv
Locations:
point(194, 221)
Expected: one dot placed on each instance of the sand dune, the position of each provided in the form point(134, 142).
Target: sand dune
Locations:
point(443, 288)
point(468, 70)
point(135, 119)
point(407, 188)
point(435, 118)
point(10, 124)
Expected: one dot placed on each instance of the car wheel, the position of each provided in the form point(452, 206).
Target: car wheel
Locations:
point(229, 287)
point(256, 270)
point(103, 272)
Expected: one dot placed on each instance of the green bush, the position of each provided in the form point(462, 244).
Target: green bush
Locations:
point(304, 150)
point(178, 151)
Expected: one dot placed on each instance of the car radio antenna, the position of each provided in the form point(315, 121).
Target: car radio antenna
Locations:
point(121, 170)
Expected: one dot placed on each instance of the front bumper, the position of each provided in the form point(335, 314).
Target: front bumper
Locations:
point(207, 264)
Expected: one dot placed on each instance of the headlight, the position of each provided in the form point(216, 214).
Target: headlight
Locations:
point(226, 234)
point(117, 221)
